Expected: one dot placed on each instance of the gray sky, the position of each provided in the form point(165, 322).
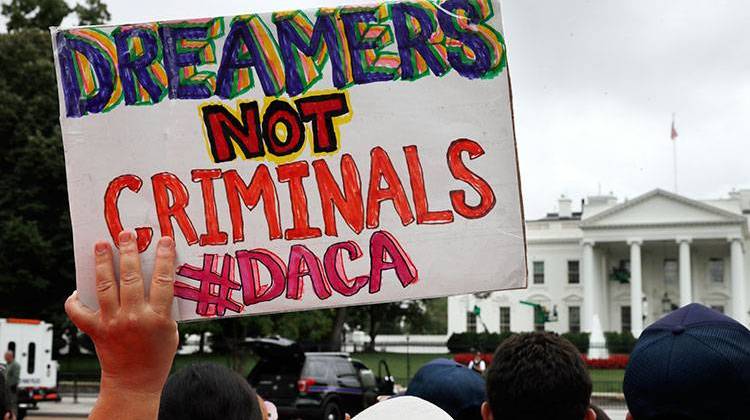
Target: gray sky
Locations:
point(595, 84)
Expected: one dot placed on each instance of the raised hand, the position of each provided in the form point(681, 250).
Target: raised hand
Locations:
point(134, 333)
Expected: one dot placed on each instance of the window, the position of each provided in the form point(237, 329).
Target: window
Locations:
point(625, 319)
point(368, 378)
point(716, 270)
point(471, 322)
point(718, 308)
point(574, 276)
point(504, 319)
point(574, 319)
point(315, 368)
point(343, 368)
point(538, 272)
point(31, 358)
point(671, 274)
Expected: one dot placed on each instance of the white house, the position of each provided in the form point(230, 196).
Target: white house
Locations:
point(628, 263)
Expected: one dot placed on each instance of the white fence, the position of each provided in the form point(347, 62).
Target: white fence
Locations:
point(434, 344)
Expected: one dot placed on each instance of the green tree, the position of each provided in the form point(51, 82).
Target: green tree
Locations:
point(36, 254)
point(93, 12)
point(425, 316)
point(36, 259)
point(40, 14)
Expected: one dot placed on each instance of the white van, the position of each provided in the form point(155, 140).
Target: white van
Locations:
point(31, 341)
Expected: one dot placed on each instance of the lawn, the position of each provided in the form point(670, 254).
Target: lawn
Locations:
point(604, 380)
point(607, 380)
point(87, 367)
point(401, 370)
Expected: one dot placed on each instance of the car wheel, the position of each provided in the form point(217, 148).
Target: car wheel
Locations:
point(332, 412)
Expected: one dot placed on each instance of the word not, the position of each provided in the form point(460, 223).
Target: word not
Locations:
point(358, 208)
point(224, 129)
point(214, 295)
point(144, 63)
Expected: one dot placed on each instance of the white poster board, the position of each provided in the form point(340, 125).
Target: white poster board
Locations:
point(301, 159)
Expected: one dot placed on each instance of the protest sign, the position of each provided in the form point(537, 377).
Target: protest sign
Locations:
point(301, 159)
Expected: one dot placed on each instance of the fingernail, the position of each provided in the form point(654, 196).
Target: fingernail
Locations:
point(166, 242)
point(125, 237)
point(100, 248)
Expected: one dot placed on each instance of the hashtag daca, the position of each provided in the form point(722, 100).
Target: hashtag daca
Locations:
point(218, 283)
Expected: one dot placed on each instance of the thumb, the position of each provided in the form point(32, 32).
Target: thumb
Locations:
point(84, 318)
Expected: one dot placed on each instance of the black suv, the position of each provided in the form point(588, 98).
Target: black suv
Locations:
point(314, 385)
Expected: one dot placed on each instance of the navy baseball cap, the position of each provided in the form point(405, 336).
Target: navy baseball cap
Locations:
point(694, 363)
point(451, 386)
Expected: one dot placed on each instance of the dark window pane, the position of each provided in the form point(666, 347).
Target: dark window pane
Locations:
point(538, 272)
point(574, 319)
point(625, 318)
point(471, 322)
point(504, 319)
point(574, 276)
point(671, 273)
point(31, 358)
point(716, 270)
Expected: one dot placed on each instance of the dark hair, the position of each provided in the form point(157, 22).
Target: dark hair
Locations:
point(538, 376)
point(208, 391)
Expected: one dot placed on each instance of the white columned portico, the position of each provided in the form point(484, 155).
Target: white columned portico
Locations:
point(636, 288)
point(686, 282)
point(739, 304)
point(589, 285)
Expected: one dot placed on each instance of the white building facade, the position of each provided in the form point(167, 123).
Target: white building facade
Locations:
point(625, 263)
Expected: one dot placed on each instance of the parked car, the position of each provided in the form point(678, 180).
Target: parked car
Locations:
point(315, 385)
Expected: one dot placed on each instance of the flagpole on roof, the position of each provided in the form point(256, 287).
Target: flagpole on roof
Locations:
point(673, 136)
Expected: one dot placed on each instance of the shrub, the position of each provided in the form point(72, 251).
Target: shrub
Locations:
point(614, 361)
point(471, 342)
point(580, 340)
point(465, 358)
point(620, 343)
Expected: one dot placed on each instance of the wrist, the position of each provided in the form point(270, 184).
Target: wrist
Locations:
point(128, 386)
point(124, 401)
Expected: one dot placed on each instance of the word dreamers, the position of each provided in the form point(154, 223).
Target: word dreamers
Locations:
point(359, 207)
point(217, 282)
point(142, 64)
point(225, 129)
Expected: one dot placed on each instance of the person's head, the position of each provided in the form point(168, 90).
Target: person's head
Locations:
point(537, 376)
point(9, 356)
point(5, 409)
point(478, 356)
point(209, 391)
point(406, 407)
point(451, 386)
point(692, 364)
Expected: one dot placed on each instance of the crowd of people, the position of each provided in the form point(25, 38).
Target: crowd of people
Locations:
point(693, 364)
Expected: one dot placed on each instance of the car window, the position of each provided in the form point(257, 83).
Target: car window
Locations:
point(315, 368)
point(368, 378)
point(344, 368)
point(271, 367)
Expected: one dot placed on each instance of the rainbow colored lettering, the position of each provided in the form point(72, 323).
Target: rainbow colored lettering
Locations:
point(286, 52)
